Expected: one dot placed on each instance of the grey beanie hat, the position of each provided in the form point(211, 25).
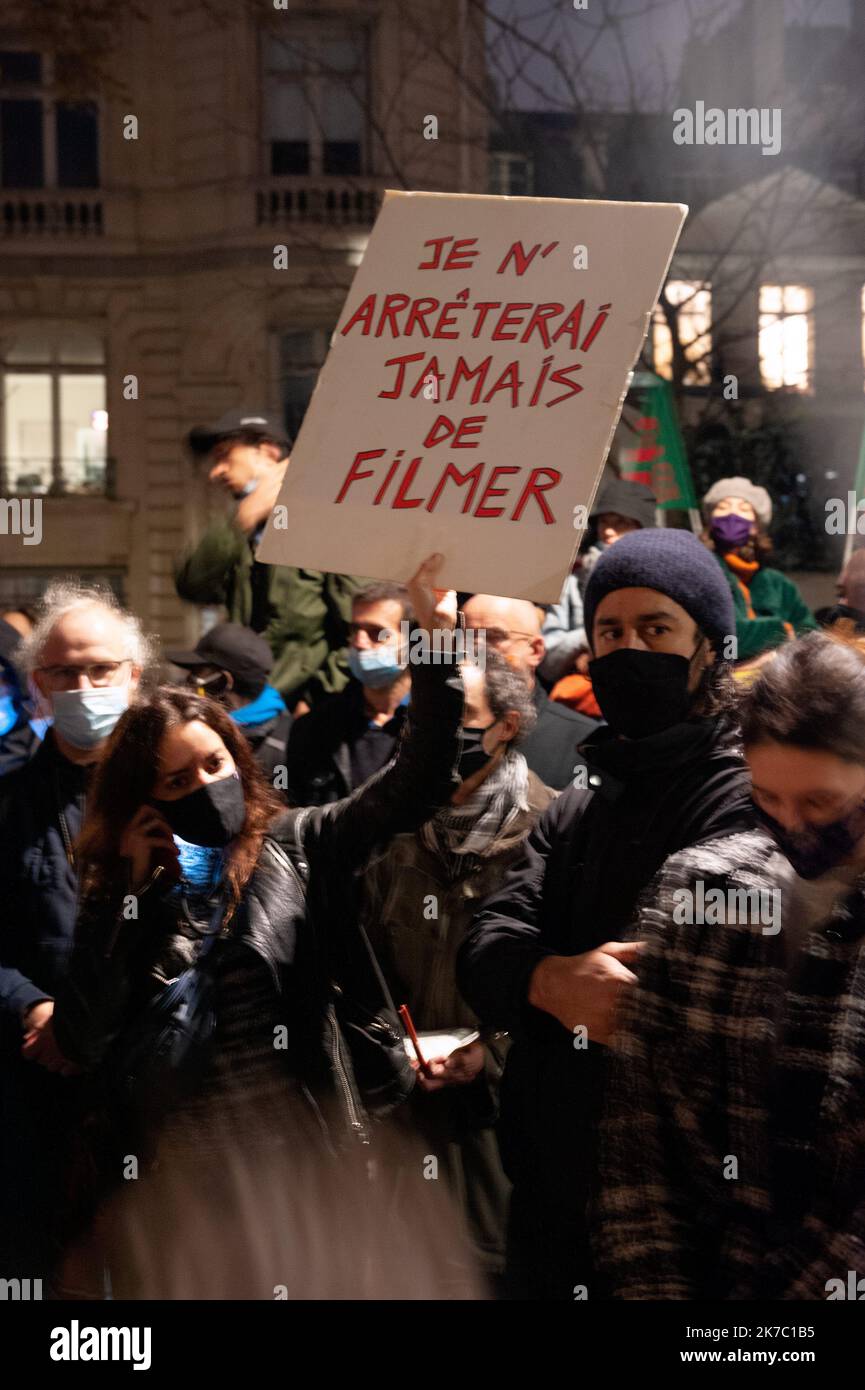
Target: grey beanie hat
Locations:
point(676, 564)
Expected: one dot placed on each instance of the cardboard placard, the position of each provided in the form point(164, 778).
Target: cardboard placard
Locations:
point(472, 388)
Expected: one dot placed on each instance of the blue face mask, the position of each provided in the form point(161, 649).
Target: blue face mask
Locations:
point(86, 717)
point(200, 866)
point(8, 712)
point(375, 667)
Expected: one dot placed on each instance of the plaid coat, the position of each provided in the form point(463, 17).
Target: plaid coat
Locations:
point(733, 1141)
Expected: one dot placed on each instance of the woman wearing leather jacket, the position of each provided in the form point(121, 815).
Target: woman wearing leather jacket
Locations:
point(185, 846)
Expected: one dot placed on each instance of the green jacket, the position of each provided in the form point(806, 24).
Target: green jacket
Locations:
point(776, 601)
point(302, 613)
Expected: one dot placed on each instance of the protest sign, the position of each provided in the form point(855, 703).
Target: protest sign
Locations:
point(472, 388)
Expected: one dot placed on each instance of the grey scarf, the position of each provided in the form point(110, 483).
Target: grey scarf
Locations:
point(472, 827)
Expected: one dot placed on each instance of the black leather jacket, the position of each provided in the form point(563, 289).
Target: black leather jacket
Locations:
point(301, 923)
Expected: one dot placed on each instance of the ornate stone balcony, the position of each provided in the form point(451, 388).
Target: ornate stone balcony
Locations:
point(47, 214)
point(336, 202)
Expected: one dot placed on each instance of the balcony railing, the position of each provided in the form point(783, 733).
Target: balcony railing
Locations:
point(58, 478)
point(50, 214)
point(52, 217)
point(337, 202)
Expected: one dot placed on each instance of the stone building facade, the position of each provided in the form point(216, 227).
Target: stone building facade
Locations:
point(144, 285)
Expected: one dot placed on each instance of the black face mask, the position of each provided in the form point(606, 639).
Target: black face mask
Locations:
point(211, 815)
point(473, 755)
point(641, 693)
point(818, 849)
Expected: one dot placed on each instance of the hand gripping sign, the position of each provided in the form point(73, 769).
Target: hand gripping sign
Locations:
point(472, 388)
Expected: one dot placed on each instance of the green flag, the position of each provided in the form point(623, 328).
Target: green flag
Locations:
point(658, 457)
point(859, 485)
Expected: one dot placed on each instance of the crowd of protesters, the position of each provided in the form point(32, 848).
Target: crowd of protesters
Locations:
point(420, 949)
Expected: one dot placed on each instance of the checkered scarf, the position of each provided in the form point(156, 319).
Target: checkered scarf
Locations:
point(481, 820)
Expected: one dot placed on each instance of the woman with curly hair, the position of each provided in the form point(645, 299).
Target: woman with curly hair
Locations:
point(769, 607)
point(191, 864)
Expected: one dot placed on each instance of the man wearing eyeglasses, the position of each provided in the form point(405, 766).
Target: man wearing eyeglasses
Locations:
point(84, 658)
point(512, 627)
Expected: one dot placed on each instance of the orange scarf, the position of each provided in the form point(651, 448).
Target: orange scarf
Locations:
point(743, 572)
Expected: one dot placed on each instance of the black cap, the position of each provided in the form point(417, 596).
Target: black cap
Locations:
point(234, 648)
point(202, 438)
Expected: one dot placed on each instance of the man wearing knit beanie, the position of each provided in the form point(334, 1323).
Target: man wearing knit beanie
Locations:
point(548, 956)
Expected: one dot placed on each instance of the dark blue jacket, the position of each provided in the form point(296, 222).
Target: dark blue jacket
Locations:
point(37, 883)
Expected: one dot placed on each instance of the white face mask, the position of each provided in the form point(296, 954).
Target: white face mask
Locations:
point(85, 718)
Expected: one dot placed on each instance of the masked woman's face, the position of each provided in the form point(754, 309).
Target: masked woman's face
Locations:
point(190, 756)
point(803, 788)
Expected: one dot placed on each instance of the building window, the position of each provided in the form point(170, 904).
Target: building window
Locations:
point(786, 337)
point(23, 588)
point(315, 101)
point(300, 358)
point(694, 320)
point(53, 421)
point(44, 142)
point(511, 174)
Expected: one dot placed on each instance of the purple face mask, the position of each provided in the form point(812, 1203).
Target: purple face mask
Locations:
point(730, 531)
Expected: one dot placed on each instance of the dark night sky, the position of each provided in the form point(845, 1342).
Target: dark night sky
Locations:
point(648, 39)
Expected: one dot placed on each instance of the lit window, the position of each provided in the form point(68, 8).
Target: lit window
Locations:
point(786, 333)
point(54, 437)
point(315, 100)
point(694, 324)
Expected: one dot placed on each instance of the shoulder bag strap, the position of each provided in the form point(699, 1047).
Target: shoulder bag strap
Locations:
point(297, 829)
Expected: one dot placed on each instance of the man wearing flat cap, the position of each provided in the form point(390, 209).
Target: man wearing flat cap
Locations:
point(301, 613)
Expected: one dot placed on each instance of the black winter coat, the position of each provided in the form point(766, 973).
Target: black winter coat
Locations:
point(551, 748)
point(576, 886)
point(318, 756)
